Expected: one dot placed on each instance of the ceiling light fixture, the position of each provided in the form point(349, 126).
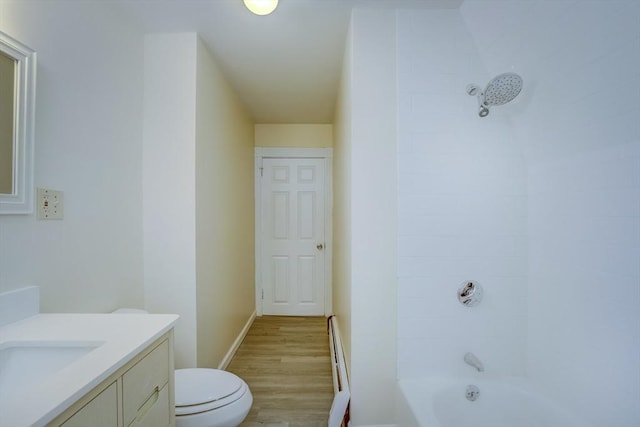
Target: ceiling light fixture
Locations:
point(261, 7)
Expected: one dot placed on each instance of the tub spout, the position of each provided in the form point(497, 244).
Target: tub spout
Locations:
point(472, 360)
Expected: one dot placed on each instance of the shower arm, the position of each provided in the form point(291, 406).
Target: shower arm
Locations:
point(483, 107)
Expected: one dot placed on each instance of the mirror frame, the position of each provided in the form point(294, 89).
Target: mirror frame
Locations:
point(21, 200)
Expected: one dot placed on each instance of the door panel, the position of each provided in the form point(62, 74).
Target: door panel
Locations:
point(292, 224)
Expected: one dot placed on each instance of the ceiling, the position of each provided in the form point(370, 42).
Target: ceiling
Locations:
point(285, 66)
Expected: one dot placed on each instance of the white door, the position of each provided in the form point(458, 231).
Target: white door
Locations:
point(293, 236)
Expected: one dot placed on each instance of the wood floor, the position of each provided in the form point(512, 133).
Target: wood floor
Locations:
point(286, 363)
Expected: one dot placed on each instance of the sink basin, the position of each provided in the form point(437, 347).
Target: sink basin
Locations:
point(24, 364)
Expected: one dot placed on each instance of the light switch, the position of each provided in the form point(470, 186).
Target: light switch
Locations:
point(50, 204)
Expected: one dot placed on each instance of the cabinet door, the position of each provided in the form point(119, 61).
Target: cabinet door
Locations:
point(102, 411)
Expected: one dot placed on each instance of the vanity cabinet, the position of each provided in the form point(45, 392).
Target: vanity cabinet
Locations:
point(101, 411)
point(140, 394)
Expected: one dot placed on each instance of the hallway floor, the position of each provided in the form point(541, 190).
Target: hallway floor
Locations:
point(287, 364)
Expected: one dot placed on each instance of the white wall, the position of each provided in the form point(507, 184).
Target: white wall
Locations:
point(581, 134)
point(225, 291)
point(294, 135)
point(88, 144)
point(462, 213)
point(93, 87)
point(169, 184)
point(539, 202)
point(367, 140)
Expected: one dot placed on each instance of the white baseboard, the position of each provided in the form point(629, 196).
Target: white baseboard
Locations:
point(236, 344)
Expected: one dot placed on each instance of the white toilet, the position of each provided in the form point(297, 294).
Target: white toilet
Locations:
point(208, 397)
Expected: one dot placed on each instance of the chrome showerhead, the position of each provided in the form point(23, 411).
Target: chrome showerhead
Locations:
point(502, 89)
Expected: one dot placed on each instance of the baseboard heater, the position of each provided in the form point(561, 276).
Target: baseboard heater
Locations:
point(339, 414)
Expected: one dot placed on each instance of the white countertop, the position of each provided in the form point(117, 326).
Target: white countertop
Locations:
point(123, 336)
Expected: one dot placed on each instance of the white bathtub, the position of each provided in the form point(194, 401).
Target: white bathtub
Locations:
point(501, 403)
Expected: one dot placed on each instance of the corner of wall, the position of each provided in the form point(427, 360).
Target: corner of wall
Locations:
point(373, 147)
point(169, 145)
point(341, 279)
point(224, 259)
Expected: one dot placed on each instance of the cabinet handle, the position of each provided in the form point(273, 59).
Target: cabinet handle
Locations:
point(147, 405)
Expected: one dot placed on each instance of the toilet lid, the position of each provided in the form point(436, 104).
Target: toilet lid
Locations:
point(198, 386)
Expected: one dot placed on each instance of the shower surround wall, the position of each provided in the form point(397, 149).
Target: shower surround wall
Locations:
point(581, 136)
point(540, 201)
point(462, 209)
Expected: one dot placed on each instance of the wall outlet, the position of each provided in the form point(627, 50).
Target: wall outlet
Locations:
point(50, 204)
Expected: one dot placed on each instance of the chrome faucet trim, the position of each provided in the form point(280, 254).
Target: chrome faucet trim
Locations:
point(472, 360)
point(470, 294)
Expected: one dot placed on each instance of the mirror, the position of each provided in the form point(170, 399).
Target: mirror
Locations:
point(17, 109)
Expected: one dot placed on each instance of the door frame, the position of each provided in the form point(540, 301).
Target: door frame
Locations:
point(296, 153)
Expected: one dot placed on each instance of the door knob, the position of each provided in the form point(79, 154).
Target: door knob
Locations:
point(320, 246)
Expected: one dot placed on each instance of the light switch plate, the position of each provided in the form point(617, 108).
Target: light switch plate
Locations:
point(50, 204)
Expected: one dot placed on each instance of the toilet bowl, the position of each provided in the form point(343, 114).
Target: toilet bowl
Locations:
point(207, 397)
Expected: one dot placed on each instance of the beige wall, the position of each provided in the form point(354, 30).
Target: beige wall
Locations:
point(224, 213)
point(294, 135)
point(342, 206)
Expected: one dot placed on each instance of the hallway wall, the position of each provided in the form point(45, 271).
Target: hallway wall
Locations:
point(225, 264)
point(342, 159)
point(294, 135)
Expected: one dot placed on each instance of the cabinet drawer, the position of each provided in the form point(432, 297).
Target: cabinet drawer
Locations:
point(102, 411)
point(155, 412)
point(143, 384)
